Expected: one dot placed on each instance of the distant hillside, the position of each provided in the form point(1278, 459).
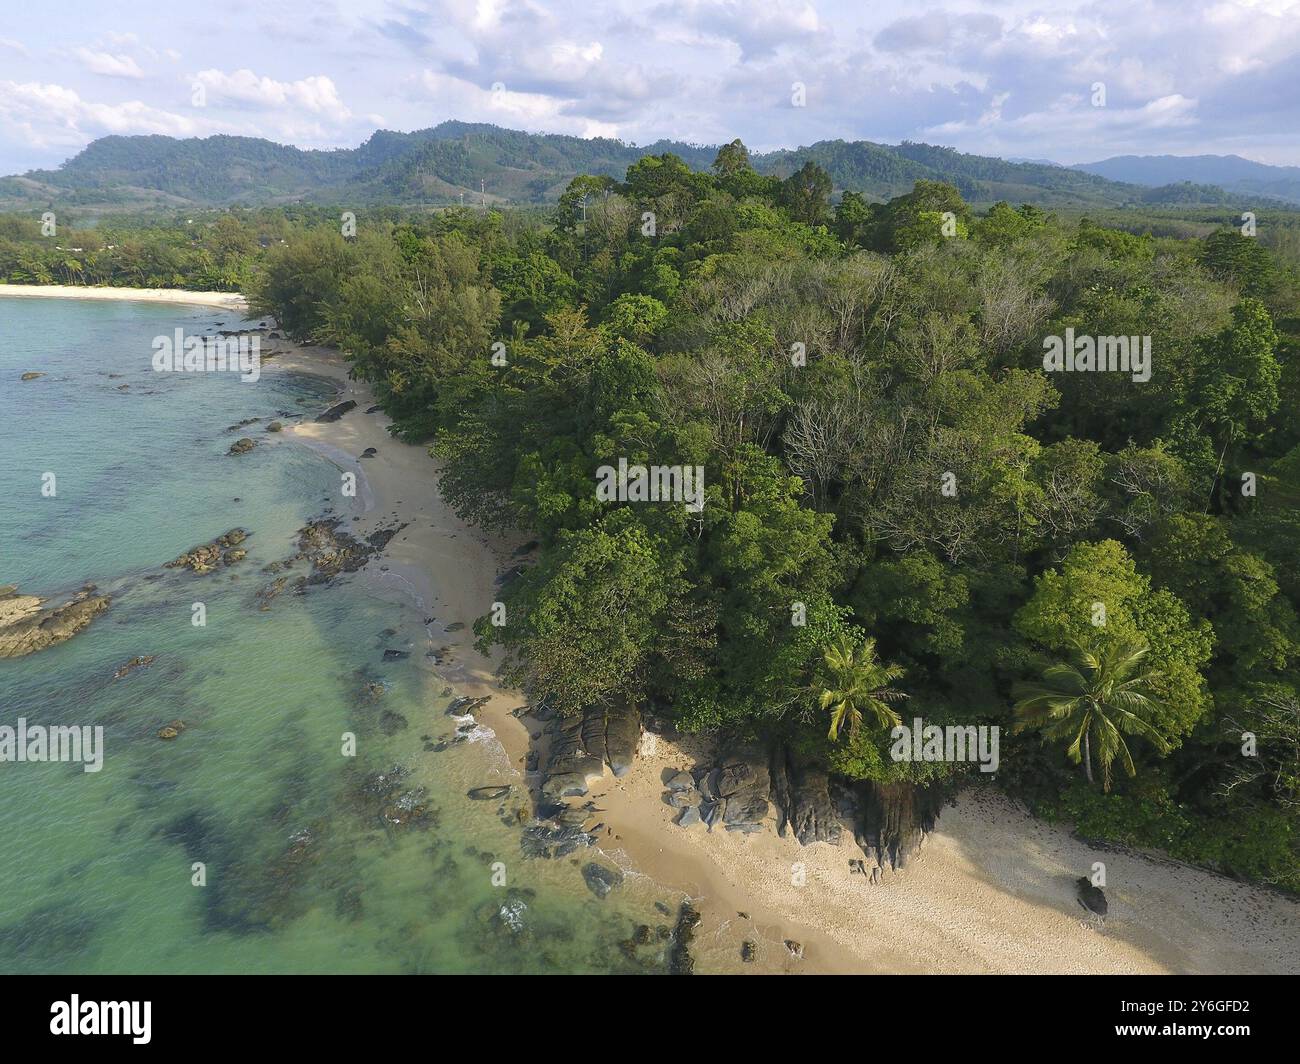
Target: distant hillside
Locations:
point(460, 160)
point(1230, 172)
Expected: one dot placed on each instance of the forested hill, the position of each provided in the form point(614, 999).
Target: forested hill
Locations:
point(458, 159)
point(1230, 172)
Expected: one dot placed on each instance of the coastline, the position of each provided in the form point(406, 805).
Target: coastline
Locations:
point(991, 891)
point(232, 301)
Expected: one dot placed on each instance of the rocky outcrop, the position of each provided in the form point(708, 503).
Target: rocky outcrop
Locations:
point(242, 446)
point(893, 820)
point(801, 792)
point(27, 625)
point(735, 793)
point(224, 550)
point(582, 745)
point(330, 551)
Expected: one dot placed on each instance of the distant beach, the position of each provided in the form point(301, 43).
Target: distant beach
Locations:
point(222, 300)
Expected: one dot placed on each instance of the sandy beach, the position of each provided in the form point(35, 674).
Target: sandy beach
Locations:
point(221, 300)
point(991, 891)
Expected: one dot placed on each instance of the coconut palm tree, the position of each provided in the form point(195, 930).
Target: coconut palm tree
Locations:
point(853, 681)
point(1104, 692)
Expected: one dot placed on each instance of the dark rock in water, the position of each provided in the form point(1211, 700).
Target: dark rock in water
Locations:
point(390, 723)
point(600, 880)
point(488, 794)
point(275, 426)
point(541, 840)
point(374, 409)
point(133, 664)
point(396, 655)
point(369, 452)
point(170, 731)
point(242, 446)
point(680, 961)
point(1092, 898)
point(337, 410)
point(464, 706)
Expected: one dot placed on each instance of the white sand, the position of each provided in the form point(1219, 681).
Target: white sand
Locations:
point(991, 891)
point(232, 301)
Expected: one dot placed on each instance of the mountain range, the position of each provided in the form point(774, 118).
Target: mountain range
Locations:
point(468, 162)
point(1230, 172)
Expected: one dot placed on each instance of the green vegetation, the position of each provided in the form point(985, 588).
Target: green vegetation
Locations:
point(893, 484)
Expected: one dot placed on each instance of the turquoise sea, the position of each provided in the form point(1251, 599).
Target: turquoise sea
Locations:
point(304, 873)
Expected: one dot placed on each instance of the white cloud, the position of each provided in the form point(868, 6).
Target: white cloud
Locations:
point(54, 114)
point(316, 94)
point(108, 64)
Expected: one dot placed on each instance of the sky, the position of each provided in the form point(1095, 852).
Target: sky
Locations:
point(1065, 81)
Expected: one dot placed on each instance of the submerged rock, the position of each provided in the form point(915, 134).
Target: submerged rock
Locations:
point(133, 664)
point(170, 731)
point(488, 794)
point(543, 840)
point(680, 961)
point(601, 880)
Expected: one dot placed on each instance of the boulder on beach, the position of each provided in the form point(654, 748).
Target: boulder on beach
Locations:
point(336, 411)
point(1092, 898)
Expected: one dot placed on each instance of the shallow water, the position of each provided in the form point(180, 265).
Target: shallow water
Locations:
point(303, 871)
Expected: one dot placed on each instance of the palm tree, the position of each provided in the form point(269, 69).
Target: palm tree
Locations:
point(1103, 691)
point(851, 681)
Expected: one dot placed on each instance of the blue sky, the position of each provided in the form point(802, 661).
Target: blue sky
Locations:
point(1007, 78)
